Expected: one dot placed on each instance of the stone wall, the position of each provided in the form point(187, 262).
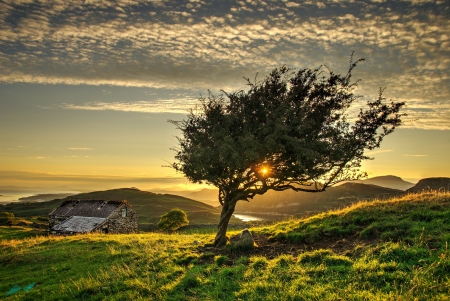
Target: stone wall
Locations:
point(117, 224)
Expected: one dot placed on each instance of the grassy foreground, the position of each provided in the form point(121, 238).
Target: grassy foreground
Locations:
point(399, 252)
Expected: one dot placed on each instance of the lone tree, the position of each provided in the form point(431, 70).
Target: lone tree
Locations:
point(289, 131)
point(173, 220)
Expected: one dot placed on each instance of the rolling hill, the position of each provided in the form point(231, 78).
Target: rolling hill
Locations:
point(206, 195)
point(431, 184)
point(44, 197)
point(395, 249)
point(297, 203)
point(150, 206)
point(209, 195)
point(393, 182)
point(294, 203)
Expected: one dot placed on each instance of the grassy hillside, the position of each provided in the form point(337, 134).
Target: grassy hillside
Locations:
point(24, 209)
point(206, 195)
point(296, 203)
point(441, 183)
point(150, 206)
point(383, 250)
point(415, 218)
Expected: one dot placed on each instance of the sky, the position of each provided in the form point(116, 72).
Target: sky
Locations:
point(87, 87)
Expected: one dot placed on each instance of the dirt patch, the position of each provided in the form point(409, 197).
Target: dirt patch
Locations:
point(271, 248)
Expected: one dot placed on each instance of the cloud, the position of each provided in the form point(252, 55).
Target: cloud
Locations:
point(88, 182)
point(182, 105)
point(293, 4)
point(371, 153)
point(415, 155)
point(80, 148)
point(200, 45)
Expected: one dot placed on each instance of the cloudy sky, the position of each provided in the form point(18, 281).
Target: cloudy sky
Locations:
point(87, 87)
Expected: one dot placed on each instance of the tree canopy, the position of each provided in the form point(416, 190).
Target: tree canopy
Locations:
point(292, 130)
point(173, 220)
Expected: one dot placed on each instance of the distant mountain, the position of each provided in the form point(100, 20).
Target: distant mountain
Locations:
point(431, 184)
point(207, 195)
point(393, 182)
point(149, 206)
point(44, 197)
point(294, 203)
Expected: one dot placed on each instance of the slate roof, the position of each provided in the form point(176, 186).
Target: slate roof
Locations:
point(90, 208)
point(79, 224)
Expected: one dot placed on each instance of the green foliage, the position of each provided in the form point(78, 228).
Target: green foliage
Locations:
point(287, 131)
point(6, 218)
point(291, 124)
point(173, 220)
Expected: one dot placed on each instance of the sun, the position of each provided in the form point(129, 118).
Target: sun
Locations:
point(264, 170)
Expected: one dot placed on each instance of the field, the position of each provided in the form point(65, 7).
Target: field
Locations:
point(393, 249)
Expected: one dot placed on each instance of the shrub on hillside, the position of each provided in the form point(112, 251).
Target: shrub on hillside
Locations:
point(173, 220)
point(6, 218)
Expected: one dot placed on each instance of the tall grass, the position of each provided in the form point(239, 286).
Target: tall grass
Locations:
point(413, 264)
point(424, 217)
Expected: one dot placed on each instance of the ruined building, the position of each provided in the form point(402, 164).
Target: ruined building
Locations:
point(80, 216)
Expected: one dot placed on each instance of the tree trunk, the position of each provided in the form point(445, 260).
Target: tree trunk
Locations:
point(225, 215)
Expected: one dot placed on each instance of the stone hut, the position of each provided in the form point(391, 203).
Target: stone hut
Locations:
point(80, 216)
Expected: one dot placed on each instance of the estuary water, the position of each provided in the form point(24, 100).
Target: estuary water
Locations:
point(248, 218)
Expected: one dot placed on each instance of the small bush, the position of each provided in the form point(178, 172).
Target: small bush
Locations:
point(6, 218)
point(173, 220)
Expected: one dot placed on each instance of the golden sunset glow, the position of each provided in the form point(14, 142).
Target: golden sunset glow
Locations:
point(87, 87)
point(264, 170)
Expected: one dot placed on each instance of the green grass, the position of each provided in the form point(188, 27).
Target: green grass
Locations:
point(20, 232)
point(408, 263)
point(423, 218)
point(12, 227)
